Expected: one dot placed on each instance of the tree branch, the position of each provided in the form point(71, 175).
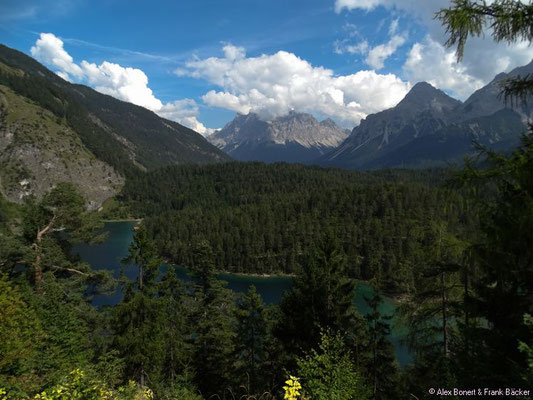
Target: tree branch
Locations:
point(74, 271)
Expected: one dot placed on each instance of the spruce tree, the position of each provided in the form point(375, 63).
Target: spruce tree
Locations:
point(176, 366)
point(382, 369)
point(137, 321)
point(251, 341)
point(213, 318)
point(503, 287)
point(321, 298)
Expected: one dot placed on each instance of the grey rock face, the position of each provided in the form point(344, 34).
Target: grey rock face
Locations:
point(296, 137)
point(37, 151)
point(488, 100)
point(429, 128)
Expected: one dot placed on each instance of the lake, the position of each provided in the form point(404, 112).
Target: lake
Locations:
point(107, 255)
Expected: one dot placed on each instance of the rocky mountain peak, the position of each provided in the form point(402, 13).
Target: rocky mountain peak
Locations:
point(328, 122)
point(487, 100)
point(295, 130)
point(424, 96)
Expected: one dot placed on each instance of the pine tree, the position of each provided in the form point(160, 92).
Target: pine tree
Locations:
point(321, 298)
point(137, 322)
point(251, 341)
point(59, 210)
point(382, 366)
point(509, 20)
point(503, 287)
point(213, 336)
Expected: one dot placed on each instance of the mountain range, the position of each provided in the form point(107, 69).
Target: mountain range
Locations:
point(429, 128)
point(52, 130)
point(296, 137)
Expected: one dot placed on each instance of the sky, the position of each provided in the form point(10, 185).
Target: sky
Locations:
point(198, 62)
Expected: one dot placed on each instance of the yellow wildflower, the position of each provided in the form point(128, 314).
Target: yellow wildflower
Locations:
point(292, 390)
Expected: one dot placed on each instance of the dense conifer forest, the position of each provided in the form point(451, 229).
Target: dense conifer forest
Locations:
point(456, 247)
point(266, 219)
point(466, 299)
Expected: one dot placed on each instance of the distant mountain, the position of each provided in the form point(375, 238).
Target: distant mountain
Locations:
point(120, 138)
point(487, 100)
point(296, 137)
point(429, 128)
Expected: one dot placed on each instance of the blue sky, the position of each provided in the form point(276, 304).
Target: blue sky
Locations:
point(198, 62)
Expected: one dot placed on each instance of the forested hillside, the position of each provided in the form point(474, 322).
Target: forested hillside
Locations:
point(267, 218)
point(454, 248)
point(38, 150)
point(123, 135)
point(465, 280)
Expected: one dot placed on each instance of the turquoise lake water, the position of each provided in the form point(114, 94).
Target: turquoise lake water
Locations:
point(107, 255)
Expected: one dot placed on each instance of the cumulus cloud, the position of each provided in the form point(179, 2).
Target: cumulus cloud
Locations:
point(429, 55)
point(124, 83)
point(128, 84)
point(377, 56)
point(185, 111)
point(49, 50)
point(272, 85)
point(429, 61)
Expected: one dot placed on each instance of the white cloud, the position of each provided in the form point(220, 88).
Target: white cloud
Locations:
point(429, 60)
point(351, 4)
point(393, 27)
point(341, 47)
point(421, 8)
point(272, 85)
point(185, 112)
point(49, 49)
point(376, 56)
point(124, 83)
point(128, 84)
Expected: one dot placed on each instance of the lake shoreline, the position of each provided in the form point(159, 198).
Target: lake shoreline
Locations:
point(255, 275)
point(137, 220)
point(398, 299)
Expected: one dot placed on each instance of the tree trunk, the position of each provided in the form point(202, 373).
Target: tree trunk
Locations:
point(466, 303)
point(375, 361)
point(252, 372)
point(444, 317)
point(38, 263)
point(140, 277)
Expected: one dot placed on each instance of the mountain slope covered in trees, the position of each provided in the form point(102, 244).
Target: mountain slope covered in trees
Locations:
point(125, 136)
point(38, 150)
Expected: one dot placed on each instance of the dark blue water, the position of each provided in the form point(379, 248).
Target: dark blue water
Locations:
point(107, 255)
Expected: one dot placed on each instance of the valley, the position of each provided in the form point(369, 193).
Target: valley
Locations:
point(264, 201)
